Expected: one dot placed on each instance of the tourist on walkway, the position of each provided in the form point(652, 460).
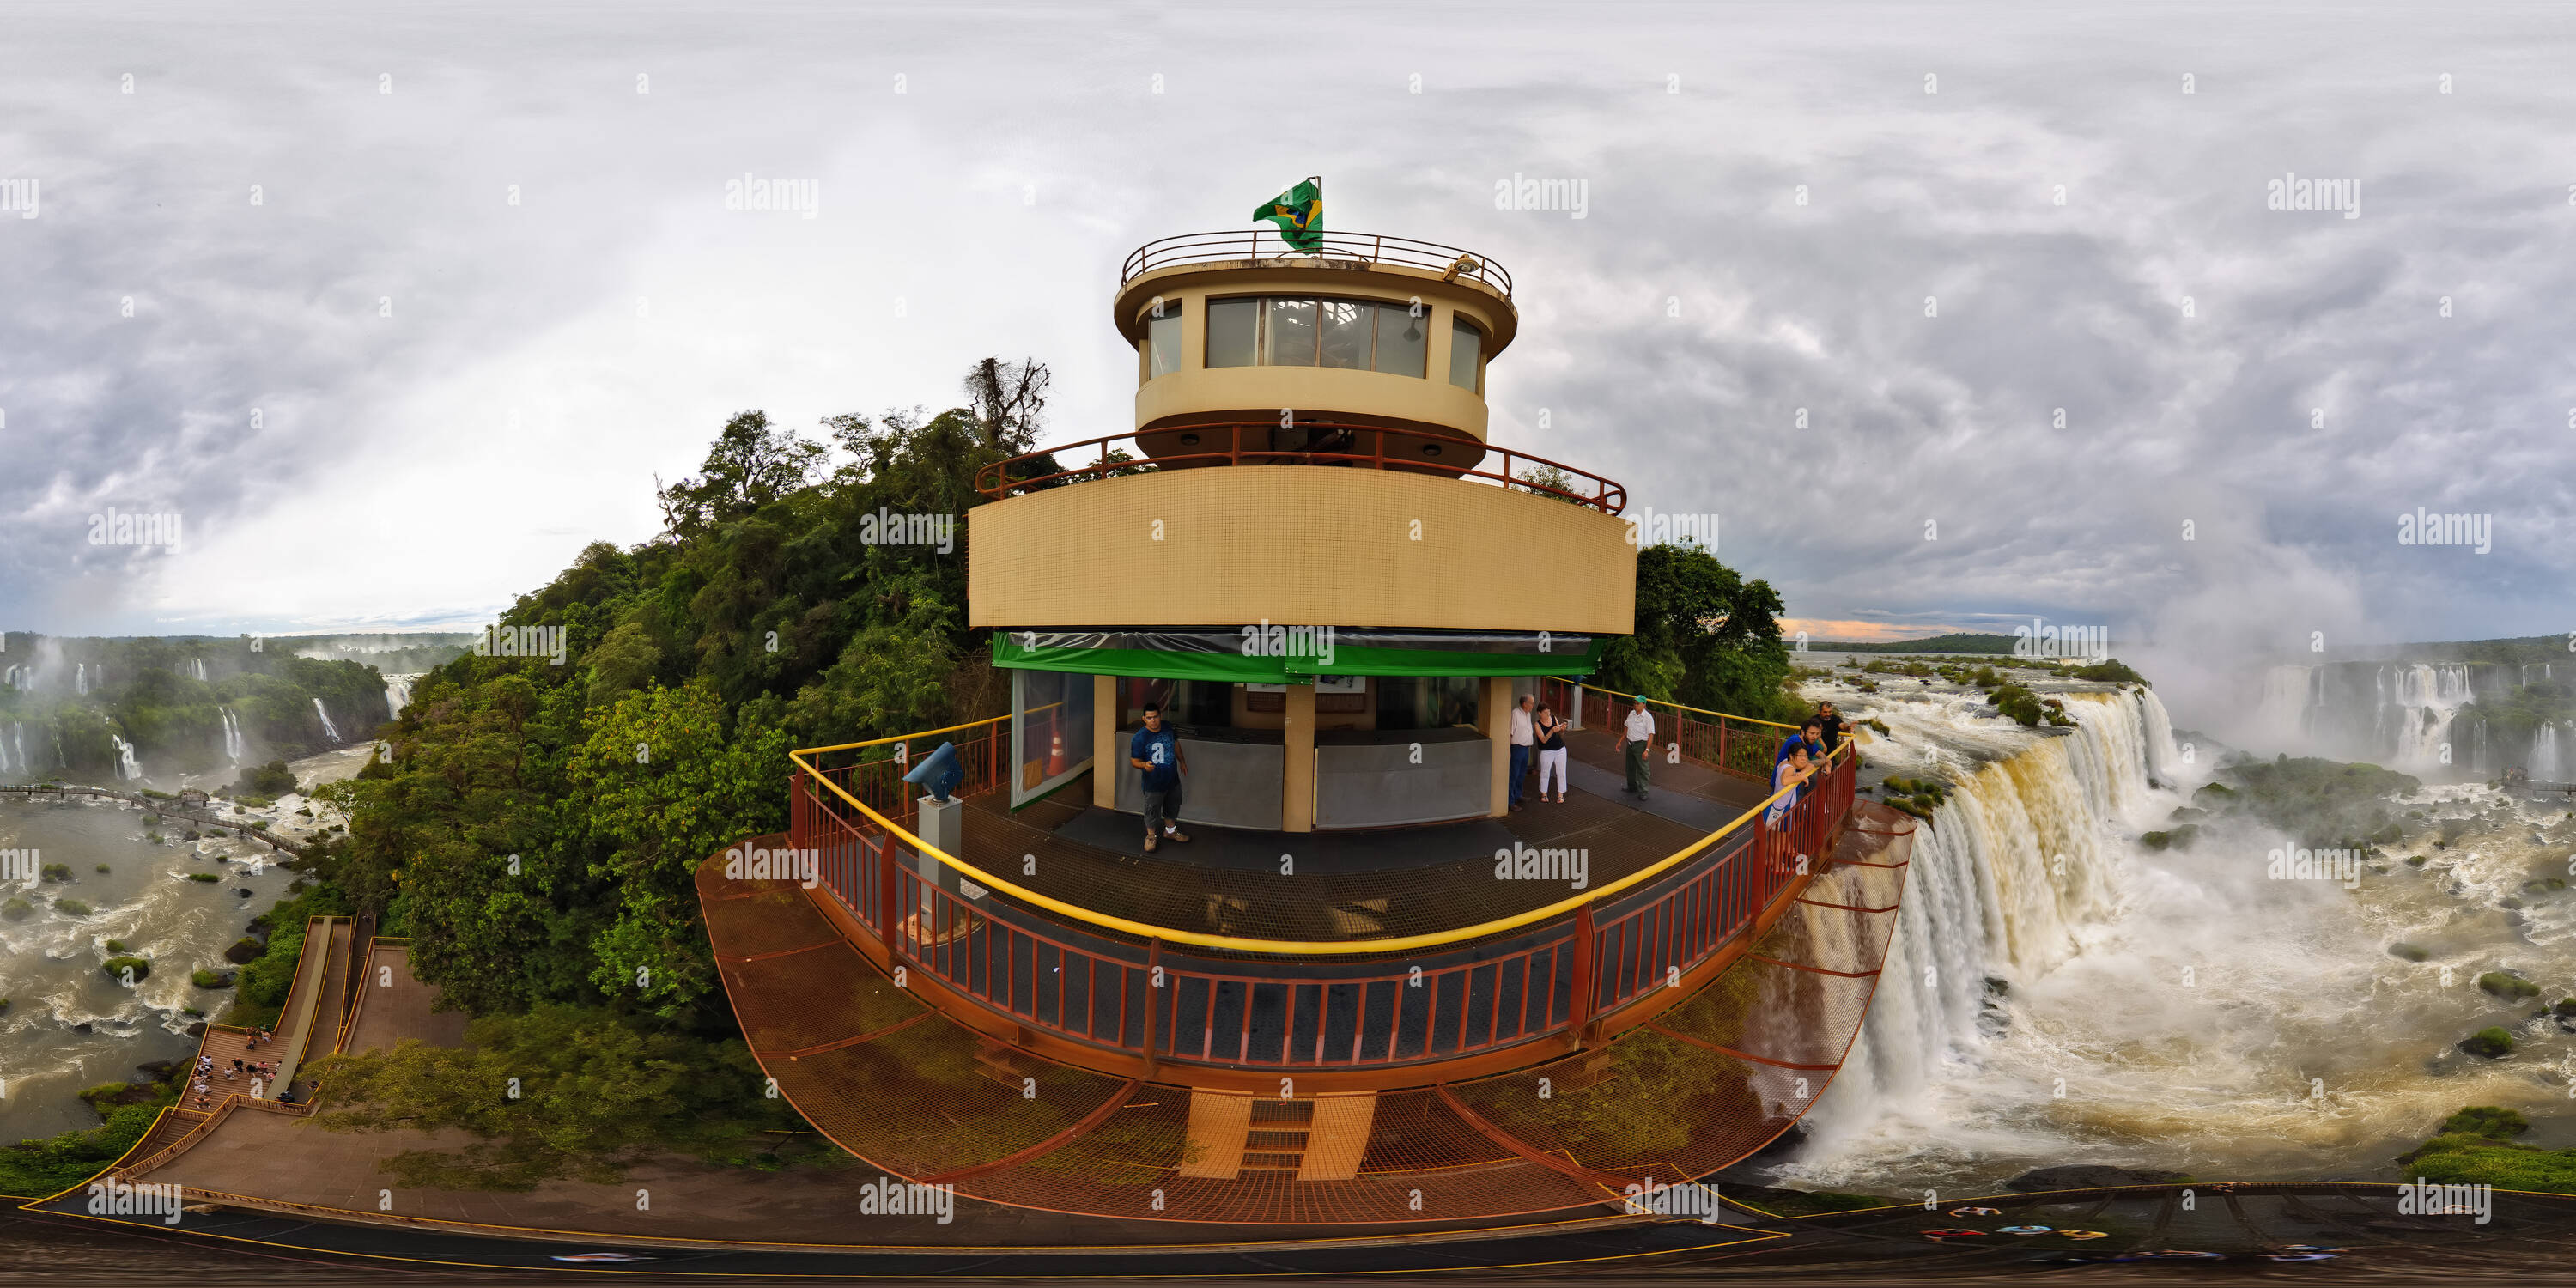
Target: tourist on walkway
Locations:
point(1156, 749)
point(1640, 743)
point(1810, 738)
point(1789, 776)
point(1522, 740)
point(1551, 753)
point(1832, 721)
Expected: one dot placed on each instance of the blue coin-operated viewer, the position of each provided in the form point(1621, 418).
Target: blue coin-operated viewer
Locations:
point(941, 821)
point(940, 772)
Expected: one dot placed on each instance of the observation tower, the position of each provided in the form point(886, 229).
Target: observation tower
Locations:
point(1366, 992)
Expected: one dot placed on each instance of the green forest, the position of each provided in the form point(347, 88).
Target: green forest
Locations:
point(536, 827)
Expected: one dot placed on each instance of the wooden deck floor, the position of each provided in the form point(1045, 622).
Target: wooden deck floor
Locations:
point(1330, 886)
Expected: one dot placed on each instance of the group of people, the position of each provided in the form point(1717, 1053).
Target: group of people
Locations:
point(1801, 757)
point(1537, 731)
point(261, 1073)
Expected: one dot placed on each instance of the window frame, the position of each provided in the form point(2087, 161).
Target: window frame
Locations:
point(1261, 301)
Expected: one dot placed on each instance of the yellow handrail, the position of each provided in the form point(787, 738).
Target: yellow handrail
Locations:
point(1239, 944)
point(1661, 702)
point(901, 737)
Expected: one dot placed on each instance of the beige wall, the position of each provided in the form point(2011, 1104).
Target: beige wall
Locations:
point(1259, 392)
point(1298, 545)
point(1196, 390)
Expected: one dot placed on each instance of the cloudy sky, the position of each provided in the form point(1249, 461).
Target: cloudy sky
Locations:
point(386, 394)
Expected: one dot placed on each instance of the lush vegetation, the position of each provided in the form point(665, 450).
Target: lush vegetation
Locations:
point(2310, 799)
point(559, 1091)
point(1705, 637)
point(36, 1168)
point(262, 782)
point(2475, 1147)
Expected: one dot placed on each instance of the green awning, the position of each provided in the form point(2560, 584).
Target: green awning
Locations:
point(1188, 655)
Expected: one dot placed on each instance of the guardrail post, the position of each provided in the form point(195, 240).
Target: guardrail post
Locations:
point(1584, 987)
point(1154, 1002)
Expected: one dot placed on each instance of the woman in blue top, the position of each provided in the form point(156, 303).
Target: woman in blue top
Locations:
point(1791, 773)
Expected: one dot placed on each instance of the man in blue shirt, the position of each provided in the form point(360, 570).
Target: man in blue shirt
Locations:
point(1810, 736)
point(1156, 749)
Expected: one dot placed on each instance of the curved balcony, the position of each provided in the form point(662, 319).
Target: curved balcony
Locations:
point(1356, 526)
point(1311, 442)
point(1041, 966)
point(1262, 247)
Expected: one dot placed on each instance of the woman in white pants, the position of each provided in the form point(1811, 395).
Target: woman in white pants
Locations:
point(1550, 732)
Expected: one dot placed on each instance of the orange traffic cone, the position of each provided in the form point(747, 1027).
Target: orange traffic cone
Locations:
point(1055, 755)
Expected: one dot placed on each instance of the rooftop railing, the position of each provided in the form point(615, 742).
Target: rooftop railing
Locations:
point(1315, 443)
point(1172, 995)
point(1263, 247)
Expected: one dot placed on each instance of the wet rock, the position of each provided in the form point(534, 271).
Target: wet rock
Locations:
point(2488, 1043)
point(197, 1030)
point(2085, 1176)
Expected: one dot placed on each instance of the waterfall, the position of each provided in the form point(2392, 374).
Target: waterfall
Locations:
point(232, 737)
point(126, 768)
point(2400, 720)
point(81, 678)
point(19, 731)
point(327, 730)
point(397, 693)
point(2544, 755)
point(2019, 868)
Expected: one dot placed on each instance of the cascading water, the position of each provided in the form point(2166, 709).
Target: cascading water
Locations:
point(397, 693)
point(232, 737)
point(2402, 718)
point(328, 730)
point(80, 677)
point(2544, 755)
point(126, 766)
point(2057, 992)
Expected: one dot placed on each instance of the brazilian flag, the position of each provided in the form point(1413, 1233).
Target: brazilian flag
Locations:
point(1299, 212)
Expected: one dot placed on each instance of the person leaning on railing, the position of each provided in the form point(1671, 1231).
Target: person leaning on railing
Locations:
point(1788, 783)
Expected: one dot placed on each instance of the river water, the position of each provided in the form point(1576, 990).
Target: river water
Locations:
point(50, 962)
point(2178, 1010)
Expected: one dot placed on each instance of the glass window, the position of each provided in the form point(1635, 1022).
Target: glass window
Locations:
point(1231, 326)
point(1466, 351)
point(1163, 339)
point(1290, 341)
point(1403, 338)
point(1427, 701)
point(1346, 341)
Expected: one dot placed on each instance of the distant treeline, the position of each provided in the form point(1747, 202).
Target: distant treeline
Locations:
point(1957, 642)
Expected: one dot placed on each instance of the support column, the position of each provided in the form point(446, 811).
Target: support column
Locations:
point(1297, 790)
point(1495, 713)
point(1108, 759)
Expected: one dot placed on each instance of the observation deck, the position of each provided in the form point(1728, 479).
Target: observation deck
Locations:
point(1301, 1018)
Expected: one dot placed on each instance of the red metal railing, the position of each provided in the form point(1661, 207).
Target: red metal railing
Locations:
point(1739, 746)
point(1144, 999)
point(1256, 246)
point(1317, 443)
